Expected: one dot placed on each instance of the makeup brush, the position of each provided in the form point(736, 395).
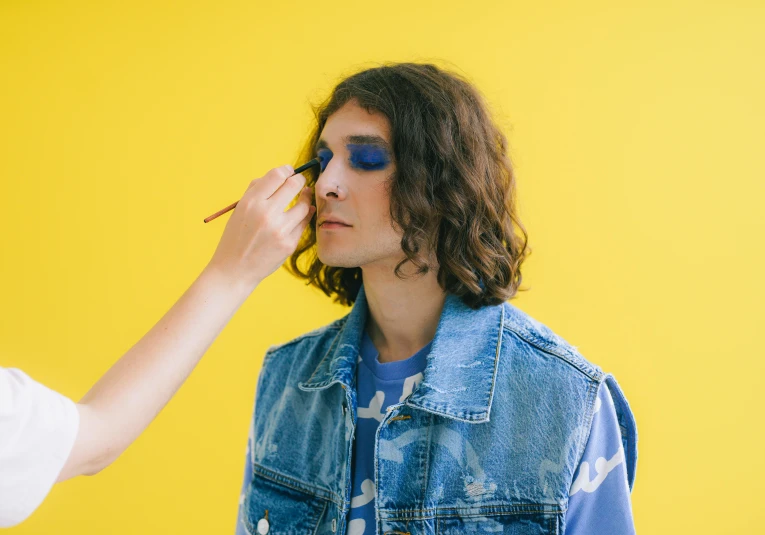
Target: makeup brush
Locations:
point(315, 161)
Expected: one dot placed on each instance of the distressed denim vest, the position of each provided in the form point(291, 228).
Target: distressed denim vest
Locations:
point(487, 443)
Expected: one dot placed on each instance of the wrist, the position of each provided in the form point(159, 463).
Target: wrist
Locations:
point(221, 281)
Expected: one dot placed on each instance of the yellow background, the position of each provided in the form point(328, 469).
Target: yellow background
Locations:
point(637, 134)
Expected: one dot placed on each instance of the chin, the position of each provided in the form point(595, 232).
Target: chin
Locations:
point(336, 260)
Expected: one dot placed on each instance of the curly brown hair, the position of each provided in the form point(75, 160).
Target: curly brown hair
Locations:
point(453, 192)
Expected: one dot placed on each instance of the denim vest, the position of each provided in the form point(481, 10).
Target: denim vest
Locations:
point(488, 442)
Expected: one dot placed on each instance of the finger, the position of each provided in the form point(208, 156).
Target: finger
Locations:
point(287, 191)
point(294, 216)
point(266, 185)
point(297, 232)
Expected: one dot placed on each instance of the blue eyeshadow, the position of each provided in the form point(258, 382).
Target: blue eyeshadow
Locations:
point(326, 156)
point(368, 157)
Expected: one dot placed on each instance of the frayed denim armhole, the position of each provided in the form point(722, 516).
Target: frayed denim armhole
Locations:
point(628, 427)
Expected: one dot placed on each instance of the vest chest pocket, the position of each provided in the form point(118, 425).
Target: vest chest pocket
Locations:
point(276, 509)
point(519, 520)
point(521, 523)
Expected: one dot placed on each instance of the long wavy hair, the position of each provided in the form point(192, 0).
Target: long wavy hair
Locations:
point(453, 191)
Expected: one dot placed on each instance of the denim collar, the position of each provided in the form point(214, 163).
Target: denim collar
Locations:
point(458, 381)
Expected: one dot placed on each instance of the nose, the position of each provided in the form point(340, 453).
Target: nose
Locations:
point(330, 184)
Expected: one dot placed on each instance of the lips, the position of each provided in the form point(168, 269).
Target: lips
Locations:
point(333, 221)
point(333, 226)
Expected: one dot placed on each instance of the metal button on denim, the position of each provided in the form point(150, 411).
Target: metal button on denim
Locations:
point(263, 526)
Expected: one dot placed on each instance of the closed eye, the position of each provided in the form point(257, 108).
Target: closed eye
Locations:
point(368, 157)
point(369, 165)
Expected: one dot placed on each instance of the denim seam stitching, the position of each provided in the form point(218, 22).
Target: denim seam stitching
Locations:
point(550, 351)
point(318, 523)
point(331, 347)
point(458, 512)
point(287, 481)
point(479, 418)
point(589, 417)
point(496, 363)
point(520, 508)
point(427, 458)
point(246, 525)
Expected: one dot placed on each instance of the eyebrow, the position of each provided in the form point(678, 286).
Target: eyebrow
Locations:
point(377, 141)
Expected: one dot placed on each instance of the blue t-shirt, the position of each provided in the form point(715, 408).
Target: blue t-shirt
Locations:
point(379, 385)
point(599, 499)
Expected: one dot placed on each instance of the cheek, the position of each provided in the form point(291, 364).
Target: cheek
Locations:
point(379, 205)
point(372, 204)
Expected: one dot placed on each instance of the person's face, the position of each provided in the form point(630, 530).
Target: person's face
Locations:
point(351, 188)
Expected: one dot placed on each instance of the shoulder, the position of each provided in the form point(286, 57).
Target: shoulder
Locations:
point(38, 428)
point(296, 359)
point(559, 369)
point(314, 337)
point(537, 363)
point(20, 392)
point(521, 330)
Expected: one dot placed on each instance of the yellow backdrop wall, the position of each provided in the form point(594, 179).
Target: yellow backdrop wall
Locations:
point(637, 134)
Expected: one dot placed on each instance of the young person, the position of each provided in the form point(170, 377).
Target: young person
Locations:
point(434, 406)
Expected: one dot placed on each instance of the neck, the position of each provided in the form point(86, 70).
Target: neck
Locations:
point(403, 314)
